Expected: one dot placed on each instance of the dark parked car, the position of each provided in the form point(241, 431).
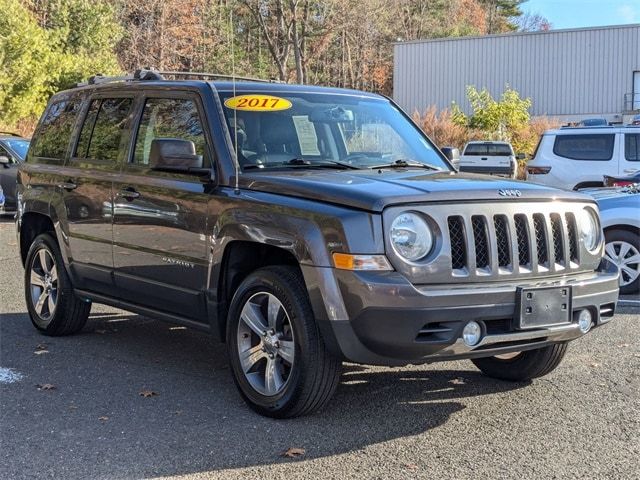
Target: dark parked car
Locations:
point(13, 150)
point(304, 226)
point(621, 181)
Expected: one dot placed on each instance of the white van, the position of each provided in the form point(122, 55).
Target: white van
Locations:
point(574, 158)
point(491, 158)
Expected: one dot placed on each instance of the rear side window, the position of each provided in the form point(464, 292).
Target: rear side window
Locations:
point(103, 127)
point(54, 134)
point(585, 147)
point(169, 118)
point(632, 147)
point(489, 149)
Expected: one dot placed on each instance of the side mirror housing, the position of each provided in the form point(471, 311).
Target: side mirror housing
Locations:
point(453, 154)
point(4, 160)
point(175, 155)
point(521, 156)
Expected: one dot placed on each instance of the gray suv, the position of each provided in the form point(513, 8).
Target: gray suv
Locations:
point(304, 227)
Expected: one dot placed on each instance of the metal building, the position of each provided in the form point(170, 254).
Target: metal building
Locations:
point(569, 74)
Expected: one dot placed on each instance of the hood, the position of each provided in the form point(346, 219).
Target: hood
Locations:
point(374, 190)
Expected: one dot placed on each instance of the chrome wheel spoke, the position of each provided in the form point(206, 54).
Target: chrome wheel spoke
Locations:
point(286, 351)
point(51, 303)
point(36, 279)
point(252, 316)
point(250, 357)
point(41, 301)
point(610, 250)
point(634, 260)
point(53, 273)
point(273, 309)
point(42, 257)
point(272, 378)
point(624, 249)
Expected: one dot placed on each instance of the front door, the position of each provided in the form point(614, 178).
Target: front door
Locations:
point(630, 160)
point(160, 218)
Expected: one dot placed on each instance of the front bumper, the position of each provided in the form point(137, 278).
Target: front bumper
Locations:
point(382, 319)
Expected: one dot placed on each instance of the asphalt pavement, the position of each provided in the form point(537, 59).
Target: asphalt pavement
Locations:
point(131, 397)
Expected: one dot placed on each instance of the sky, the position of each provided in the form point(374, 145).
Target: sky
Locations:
point(585, 13)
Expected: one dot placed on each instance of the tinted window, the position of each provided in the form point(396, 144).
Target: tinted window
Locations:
point(55, 130)
point(169, 118)
point(585, 147)
point(632, 147)
point(18, 146)
point(104, 124)
point(488, 149)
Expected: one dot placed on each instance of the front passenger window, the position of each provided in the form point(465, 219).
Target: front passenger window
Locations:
point(169, 118)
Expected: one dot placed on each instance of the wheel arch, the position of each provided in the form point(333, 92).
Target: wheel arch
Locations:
point(33, 224)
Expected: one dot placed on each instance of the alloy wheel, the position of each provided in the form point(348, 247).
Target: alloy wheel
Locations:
point(266, 345)
point(43, 282)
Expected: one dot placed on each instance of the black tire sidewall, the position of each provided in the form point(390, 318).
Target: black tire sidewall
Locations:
point(618, 235)
point(266, 280)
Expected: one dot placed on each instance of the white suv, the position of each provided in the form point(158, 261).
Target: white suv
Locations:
point(492, 158)
point(574, 158)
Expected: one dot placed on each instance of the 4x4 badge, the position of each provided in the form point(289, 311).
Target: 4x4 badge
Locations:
point(509, 192)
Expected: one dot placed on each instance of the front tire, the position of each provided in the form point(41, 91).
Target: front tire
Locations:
point(53, 307)
point(278, 359)
point(524, 366)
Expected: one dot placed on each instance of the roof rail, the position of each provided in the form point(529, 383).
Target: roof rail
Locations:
point(147, 74)
point(222, 76)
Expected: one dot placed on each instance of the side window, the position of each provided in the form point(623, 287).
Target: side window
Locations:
point(632, 147)
point(103, 127)
point(585, 147)
point(54, 134)
point(169, 118)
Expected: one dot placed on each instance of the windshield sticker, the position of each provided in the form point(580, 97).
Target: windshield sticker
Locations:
point(306, 135)
point(258, 103)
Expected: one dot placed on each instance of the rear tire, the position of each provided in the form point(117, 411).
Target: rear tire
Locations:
point(527, 365)
point(53, 307)
point(623, 248)
point(278, 359)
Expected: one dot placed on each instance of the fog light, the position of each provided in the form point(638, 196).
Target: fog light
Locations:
point(471, 334)
point(585, 320)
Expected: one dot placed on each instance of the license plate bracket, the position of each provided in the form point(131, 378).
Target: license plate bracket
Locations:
point(543, 307)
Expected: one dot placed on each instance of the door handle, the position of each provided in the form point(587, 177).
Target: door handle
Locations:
point(630, 170)
point(129, 194)
point(483, 158)
point(68, 185)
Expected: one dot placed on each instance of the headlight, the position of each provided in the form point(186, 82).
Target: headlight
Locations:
point(589, 229)
point(410, 236)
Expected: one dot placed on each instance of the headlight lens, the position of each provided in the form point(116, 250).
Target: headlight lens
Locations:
point(589, 229)
point(410, 236)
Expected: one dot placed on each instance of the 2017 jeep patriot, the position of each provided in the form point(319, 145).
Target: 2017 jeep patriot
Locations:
point(304, 226)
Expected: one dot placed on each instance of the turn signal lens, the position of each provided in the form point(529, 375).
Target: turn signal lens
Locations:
point(345, 261)
point(538, 170)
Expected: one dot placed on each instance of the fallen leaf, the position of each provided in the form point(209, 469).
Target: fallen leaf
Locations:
point(458, 381)
point(594, 365)
point(41, 346)
point(294, 452)
point(46, 386)
point(103, 419)
point(40, 352)
point(411, 466)
point(73, 407)
point(623, 345)
point(148, 393)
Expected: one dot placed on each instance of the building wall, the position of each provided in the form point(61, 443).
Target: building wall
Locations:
point(567, 73)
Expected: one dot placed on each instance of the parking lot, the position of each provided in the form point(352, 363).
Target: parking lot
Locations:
point(131, 397)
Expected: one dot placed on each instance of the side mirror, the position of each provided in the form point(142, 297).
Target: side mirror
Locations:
point(453, 154)
point(175, 155)
point(521, 156)
point(4, 160)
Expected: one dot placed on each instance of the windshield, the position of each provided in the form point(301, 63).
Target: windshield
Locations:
point(298, 130)
point(20, 147)
point(495, 149)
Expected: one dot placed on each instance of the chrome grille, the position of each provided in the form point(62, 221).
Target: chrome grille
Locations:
point(503, 244)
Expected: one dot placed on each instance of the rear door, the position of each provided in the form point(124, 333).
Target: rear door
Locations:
point(87, 186)
point(630, 158)
point(160, 218)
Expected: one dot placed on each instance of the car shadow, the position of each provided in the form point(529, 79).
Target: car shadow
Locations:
point(193, 419)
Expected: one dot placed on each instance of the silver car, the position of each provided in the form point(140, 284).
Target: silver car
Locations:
point(620, 216)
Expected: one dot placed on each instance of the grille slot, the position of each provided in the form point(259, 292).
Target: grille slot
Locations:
point(573, 238)
point(558, 244)
point(481, 241)
point(502, 240)
point(522, 232)
point(458, 246)
point(435, 332)
point(541, 239)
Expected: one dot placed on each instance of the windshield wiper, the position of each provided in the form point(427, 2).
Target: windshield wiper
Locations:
point(303, 163)
point(401, 163)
